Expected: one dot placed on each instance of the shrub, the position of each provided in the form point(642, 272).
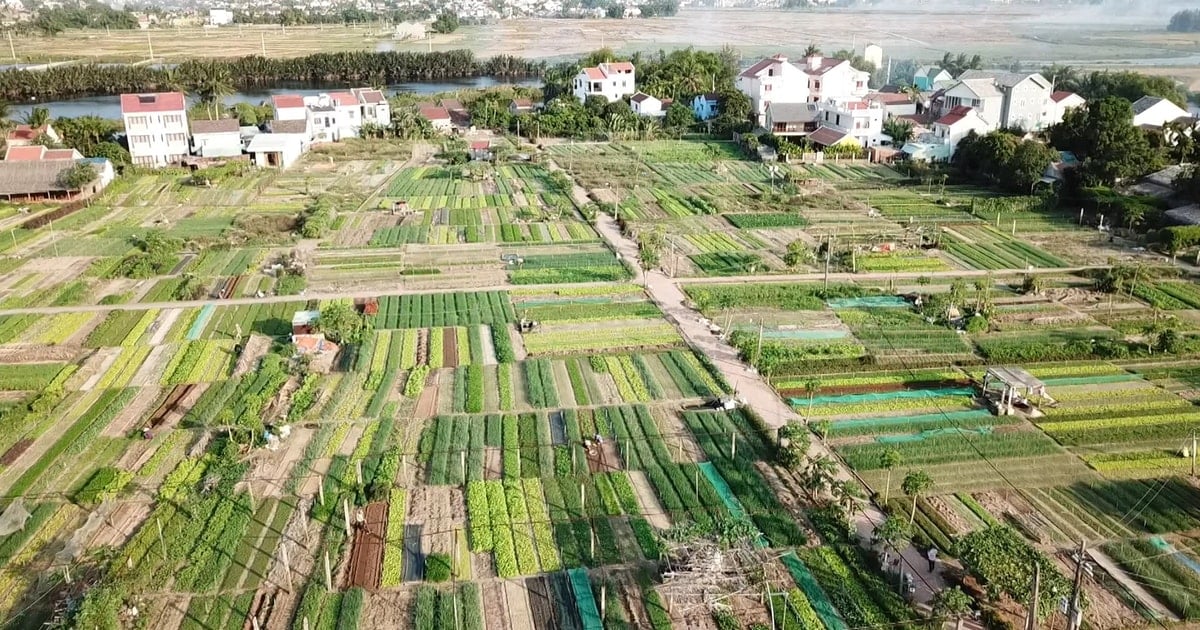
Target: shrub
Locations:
point(438, 567)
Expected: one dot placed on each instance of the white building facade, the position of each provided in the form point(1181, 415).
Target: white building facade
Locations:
point(156, 128)
point(612, 81)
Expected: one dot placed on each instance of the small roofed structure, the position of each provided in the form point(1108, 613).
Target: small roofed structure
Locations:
point(1009, 385)
point(305, 322)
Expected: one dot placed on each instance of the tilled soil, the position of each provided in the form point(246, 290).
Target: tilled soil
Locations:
point(495, 608)
point(271, 469)
point(256, 347)
point(152, 367)
point(651, 509)
point(94, 367)
point(388, 609)
point(541, 604)
point(449, 348)
point(493, 462)
point(120, 524)
point(488, 350)
point(520, 617)
point(604, 458)
point(682, 445)
point(366, 557)
point(29, 353)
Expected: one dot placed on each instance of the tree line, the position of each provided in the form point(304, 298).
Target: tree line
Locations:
point(54, 20)
point(1185, 21)
point(371, 68)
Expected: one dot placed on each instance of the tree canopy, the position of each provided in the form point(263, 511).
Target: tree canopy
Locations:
point(1003, 159)
point(1185, 21)
point(1102, 135)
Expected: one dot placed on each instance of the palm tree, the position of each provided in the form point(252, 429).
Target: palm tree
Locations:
point(915, 484)
point(213, 82)
point(37, 117)
point(889, 459)
point(811, 387)
point(812, 50)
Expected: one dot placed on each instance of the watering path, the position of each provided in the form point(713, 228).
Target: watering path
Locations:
point(756, 392)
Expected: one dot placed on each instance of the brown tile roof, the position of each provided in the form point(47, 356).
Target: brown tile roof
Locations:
point(148, 103)
point(826, 64)
point(889, 98)
point(481, 145)
point(617, 66)
point(288, 126)
point(522, 103)
point(1061, 96)
point(757, 68)
point(369, 95)
point(223, 125)
point(61, 154)
point(827, 136)
point(639, 97)
point(286, 101)
point(434, 113)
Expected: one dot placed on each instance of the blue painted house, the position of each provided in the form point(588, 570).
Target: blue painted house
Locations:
point(704, 106)
point(927, 78)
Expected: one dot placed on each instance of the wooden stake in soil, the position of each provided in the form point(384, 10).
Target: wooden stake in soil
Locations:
point(328, 574)
point(306, 623)
point(358, 472)
point(346, 514)
point(582, 502)
point(604, 599)
point(462, 456)
point(732, 445)
point(321, 491)
point(162, 545)
point(254, 622)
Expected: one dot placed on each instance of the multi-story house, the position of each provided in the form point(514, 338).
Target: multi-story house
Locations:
point(863, 120)
point(772, 80)
point(981, 95)
point(610, 80)
point(811, 80)
point(374, 106)
point(156, 127)
point(1026, 101)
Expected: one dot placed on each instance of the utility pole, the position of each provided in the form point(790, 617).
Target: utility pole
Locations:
point(1193, 453)
point(758, 352)
point(828, 255)
point(12, 49)
point(150, 44)
point(1074, 614)
point(1031, 622)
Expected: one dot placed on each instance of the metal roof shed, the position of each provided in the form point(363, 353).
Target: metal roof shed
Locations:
point(1012, 382)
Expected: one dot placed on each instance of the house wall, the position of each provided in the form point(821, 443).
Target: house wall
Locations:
point(842, 82)
point(1059, 110)
point(990, 108)
point(956, 132)
point(1027, 106)
point(157, 138)
point(223, 144)
point(648, 107)
point(377, 113)
point(612, 88)
point(1160, 113)
point(901, 109)
point(782, 82)
point(866, 125)
point(291, 113)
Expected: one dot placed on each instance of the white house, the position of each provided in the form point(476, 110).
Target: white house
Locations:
point(220, 17)
point(1152, 111)
point(298, 129)
point(216, 138)
point(610, 80)
point(772, 80)
point(643, 104)
point(939, 144)
point(437, 116)
point(275, 150)
point(894, 104)
point(1025, 98)
point(834, 79)
point(289, 107)
point(41, 177)
point(812, 79)
point(156, 127)
point(862, 120)
point(1063, 102)
point(373, 106)
point(705, 106)
point(981, 95)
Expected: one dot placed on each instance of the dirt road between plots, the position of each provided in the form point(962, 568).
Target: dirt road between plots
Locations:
point(366, 557)
point(651, 508)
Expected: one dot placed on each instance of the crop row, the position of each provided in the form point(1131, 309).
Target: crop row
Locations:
point(589, 311)
point(941, 403)
point(729, 263)
point(62, 327)
point(637, 334)
point(942, 449)
point(28, 376)
point(766, 220)
point(392, 571)
point(539, 384)
point(443, 309)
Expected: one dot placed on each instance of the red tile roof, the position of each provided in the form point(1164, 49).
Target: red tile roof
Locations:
point(522, 103)
point(617, 66)
point(958, 113)
point(890, 98)
point(60, 154)
point(639, 97)
point(594, 73)
point(1061, 96)
point(150, 103)
point(25, 132)
point(434, 113)
point(344, 99)
point(826, 64)
point(481, 145)
point(827, 136)
point(31, 153)
point(284, 101)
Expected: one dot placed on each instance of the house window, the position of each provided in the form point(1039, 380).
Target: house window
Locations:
point(172, 119)
point(137, 121)
point(858, 84)
point(771, 72)
point(767, 88)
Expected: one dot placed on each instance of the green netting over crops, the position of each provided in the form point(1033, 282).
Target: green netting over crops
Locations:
point(1098, 379)
point(883, 423)
point(584, 601)
point(932, 433)
point(846, 399)
point(873, 301)
point(201, 321)
point(731, 503)
point(813, 591)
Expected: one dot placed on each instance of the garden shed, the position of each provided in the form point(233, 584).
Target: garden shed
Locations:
point(1007, 385)
point(305, 322)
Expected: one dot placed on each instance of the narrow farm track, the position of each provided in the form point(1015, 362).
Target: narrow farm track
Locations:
point(755, 391)
point(1132, 586)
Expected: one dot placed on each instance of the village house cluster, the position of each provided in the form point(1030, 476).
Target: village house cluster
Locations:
point(159, 133)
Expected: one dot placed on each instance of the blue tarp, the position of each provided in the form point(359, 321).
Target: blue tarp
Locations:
point(201, 321)
point(876, 396)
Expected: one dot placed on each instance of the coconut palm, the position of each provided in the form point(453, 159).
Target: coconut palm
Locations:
point(915, 484)
point(37, 117)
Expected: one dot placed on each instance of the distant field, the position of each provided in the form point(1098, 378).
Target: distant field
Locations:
point(1001, 32)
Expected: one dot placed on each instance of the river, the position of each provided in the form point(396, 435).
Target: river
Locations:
point(110, 106)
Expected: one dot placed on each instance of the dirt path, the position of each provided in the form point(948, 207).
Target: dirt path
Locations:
point(256, 347)
point(95, 366)
point(152, 367)
point(427, 404)
point(519, 615)
point(1132, 586)
point(164, 322)
point(488, 349)
point(271, 469)
point(129, 417)
point(518, 343)
point(495, 606)
point(30, 353)
point(651, 508)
